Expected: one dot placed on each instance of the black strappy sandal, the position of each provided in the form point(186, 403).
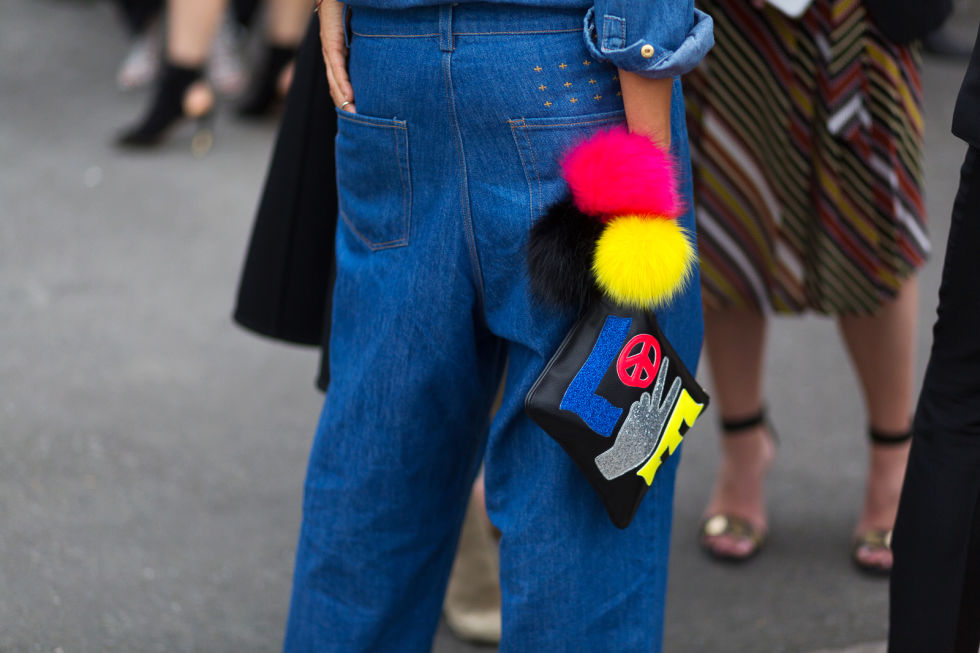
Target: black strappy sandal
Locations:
point(722, 524)
point(877, 539)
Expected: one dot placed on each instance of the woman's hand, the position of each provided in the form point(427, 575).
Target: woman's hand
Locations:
point(334, 48)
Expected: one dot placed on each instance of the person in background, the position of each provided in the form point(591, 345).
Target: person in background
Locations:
point(436, 110)
point(935, 584)
point(182, 91)
point(807, 135)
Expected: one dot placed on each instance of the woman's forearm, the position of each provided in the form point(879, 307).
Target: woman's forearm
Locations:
point(647, 104)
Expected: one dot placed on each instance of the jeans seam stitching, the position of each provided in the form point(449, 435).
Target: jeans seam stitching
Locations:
point(374, 124)
point(517, 33)
point(406, 187)
point(373, 246)
point(504, 33)
point(464, 194)
point(530, 184)
point(570, 124)
point(537, 175)
point(395, 36)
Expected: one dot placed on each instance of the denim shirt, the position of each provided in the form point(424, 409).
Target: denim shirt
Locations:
point(654, 38)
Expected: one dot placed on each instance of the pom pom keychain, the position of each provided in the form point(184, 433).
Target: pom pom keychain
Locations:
point(560, 253)
point(642, 261)
point(620, 225)
point(615, 172)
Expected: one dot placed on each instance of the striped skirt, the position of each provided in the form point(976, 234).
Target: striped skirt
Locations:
point(806, 140)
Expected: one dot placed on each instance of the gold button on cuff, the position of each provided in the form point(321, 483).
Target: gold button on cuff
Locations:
point(646, 51)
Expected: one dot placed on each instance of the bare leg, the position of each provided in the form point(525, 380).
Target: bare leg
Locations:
point(191, 28)
point(735, 341)
point(882, 348)
point(287, 21)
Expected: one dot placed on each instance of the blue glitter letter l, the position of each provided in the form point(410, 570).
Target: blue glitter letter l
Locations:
point(580, 398)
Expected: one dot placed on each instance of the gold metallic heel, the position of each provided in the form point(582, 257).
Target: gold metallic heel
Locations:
point(728, 525)
point(877, 540)
point(732, 526)
point(872, 541)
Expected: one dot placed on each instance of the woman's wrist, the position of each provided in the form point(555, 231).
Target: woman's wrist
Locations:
point(647, 104)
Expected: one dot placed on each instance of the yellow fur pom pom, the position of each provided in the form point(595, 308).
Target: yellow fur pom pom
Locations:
point(642, 261)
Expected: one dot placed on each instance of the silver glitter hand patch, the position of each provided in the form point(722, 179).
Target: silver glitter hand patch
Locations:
point(643, 428)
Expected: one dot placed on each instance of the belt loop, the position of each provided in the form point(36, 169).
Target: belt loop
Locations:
point(347, 28)
point(446, 27)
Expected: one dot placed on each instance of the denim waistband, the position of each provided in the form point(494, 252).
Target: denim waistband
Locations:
point(467, 19)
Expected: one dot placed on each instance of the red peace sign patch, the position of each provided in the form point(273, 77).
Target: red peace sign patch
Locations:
point(638, 368)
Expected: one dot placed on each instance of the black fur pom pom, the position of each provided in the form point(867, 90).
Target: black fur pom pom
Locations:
point(559, 256)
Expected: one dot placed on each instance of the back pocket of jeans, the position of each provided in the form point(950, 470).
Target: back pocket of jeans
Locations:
point(541, 143)
point(374, 185)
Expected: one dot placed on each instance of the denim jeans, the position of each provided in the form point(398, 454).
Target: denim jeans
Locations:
point(462, 113)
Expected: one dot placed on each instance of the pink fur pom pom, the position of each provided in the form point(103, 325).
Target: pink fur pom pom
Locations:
point(615, 172)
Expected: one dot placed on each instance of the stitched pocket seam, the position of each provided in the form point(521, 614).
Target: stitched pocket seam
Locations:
point(529, 160)
point(399, 132)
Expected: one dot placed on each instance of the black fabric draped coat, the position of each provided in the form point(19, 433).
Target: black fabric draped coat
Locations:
point(287, 279)
point(935, 581)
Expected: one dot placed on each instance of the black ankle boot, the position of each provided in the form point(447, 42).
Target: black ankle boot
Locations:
point(263, 90)
point(167, 108)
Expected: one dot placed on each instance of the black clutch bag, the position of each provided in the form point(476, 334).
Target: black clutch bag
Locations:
point(619, 400)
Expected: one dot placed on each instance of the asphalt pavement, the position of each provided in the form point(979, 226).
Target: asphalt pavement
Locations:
point(152, 454)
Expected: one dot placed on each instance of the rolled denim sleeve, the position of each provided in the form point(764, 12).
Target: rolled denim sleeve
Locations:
point(653, 38)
